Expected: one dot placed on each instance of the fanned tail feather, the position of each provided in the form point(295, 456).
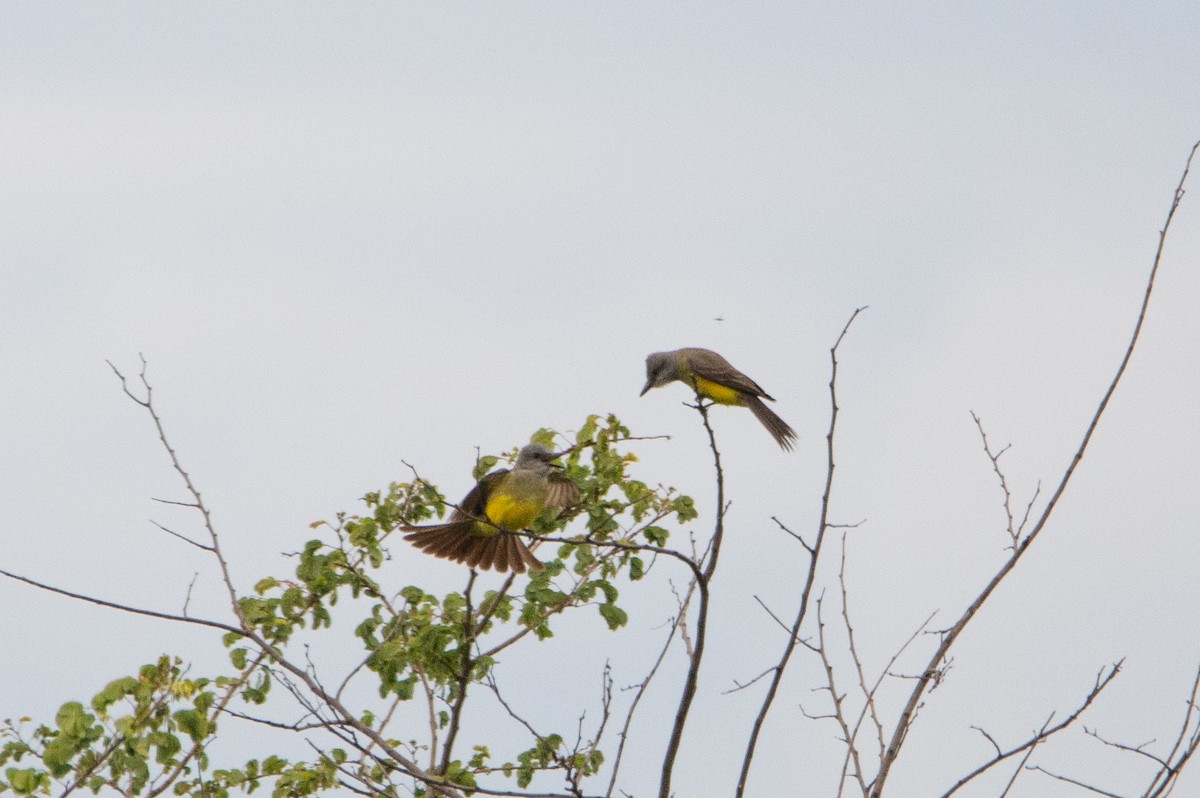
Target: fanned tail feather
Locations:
point(783, 434)
point(457, 541)
point(523, 553)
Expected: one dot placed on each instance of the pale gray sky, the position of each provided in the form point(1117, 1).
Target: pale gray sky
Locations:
point(350, 235)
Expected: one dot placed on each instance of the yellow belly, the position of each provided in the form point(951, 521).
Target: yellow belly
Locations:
point(512, 513)
point(717, 392)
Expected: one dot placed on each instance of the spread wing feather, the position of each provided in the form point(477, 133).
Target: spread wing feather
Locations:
point(561, 491)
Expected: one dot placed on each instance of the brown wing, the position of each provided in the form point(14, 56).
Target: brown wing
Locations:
point(474, 504)
point(711, 366)
point(561, 491)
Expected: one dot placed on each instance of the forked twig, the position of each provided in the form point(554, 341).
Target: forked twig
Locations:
point(1102, 680)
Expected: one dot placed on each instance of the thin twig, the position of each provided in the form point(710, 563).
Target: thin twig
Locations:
point(676, 624)
point(184, 538)
point(852, 753)
point(1102, 681)
point(1076, 782)
point(868, 693)
point(166, 616)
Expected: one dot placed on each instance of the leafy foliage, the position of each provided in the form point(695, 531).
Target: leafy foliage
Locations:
point(147, 733)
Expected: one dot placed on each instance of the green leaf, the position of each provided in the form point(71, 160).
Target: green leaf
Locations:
point(113, 692)
point(587, 431)
point(72, 719)
point(483, 466)
point(413, 594)
point(26, 781)
point(685, 508)
point(614, 616)
point(543, 436)
point(193, 723)
point(656, 535)
point(168, 746)
point(609, 590)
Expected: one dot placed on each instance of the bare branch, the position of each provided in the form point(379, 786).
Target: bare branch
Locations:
point(702, 581)
point(197, 500)
point(814, 553)
point(1013, 530)
point(799, 538)
point(184, 538)
point(1077, 783)
point(739, 686)
point(1131, 749)
point(774, 617)
point(868, 693)
point(933, 669)
point(1102, 680)
point(1181, 752)
point(172, 502)
point(676, 624)
point(1021, 766)
point(296, 726)
point(990, 739)
point(853, 756)
point(166, 616)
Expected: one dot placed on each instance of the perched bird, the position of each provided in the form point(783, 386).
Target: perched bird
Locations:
point(712, 377)
point(482, 529)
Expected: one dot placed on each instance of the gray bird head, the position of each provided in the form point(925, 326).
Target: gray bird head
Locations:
point(661, 368)
point(535, 457)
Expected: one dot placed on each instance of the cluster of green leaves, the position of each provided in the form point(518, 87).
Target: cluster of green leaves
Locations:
point(139, 728)
point(145, 734)
point(547, 753)
point(414, 644)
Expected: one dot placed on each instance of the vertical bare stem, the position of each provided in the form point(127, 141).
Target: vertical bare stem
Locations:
point(676, 626)
point(466, 664)
point(702, 581)
point(814, 554)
